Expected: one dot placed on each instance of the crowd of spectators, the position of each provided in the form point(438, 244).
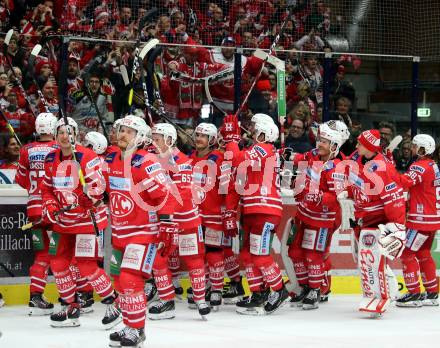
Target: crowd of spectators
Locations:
point(95, 85)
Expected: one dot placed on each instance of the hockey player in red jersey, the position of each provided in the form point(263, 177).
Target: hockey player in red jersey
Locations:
point(29, 175)
point(379, 218)
point(318, 213)
point(191, 249)
point(261, 212)
point(423, 183)
point(78, 231)
point(209, 194)
point(141, 210)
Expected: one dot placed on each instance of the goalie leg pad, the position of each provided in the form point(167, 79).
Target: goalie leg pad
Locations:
point(372, 265)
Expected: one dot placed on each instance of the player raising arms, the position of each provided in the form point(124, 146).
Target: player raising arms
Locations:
point(423, 183)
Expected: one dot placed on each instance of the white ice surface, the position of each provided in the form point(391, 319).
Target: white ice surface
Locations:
point(334, 324)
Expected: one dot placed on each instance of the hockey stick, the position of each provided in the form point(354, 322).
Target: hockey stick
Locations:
point(292, 285)
point(69, 129)
point(98, 113)
point(17, 80)
point(290, 5)
point(137, 52)
point(34, 53)
point(218, 76)
point(394, 143)
point(10, 128)
point(33, 224)
point(165, 117)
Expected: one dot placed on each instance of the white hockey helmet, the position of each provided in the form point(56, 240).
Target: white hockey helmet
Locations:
point(45, 123)
point(71, 122)
point(343, 129)
point(267, 128)
point(274, 134)
point(116, 124)
point(167, 130)
point(143, 135)
point(425, 141)
point(330, 131)
point(97, 141)
point(261, 117)
point(207, 129)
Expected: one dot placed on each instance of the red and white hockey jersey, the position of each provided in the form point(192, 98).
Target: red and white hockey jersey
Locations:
point(319, 177)
point(208, 178)
point(260, 163)
point(377, 193)
point(423, 182)
point(61, 183)
point(180, 169)
point(31, 172)
point(137, 190)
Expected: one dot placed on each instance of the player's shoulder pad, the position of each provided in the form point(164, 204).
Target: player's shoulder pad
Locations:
point(260, 150)
point(50, 157)
point(110, 157)
point(137, 160)
point(416, 168)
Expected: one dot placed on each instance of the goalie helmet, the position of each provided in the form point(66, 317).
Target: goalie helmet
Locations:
point(143, 135)
point(261, 117)
point(167, 130)
point(71, 123)
point(97, 141)
point(330, 131)
point(45, 123)
point(207, 129)
point(274, 134)
point(425, 141)
point(343, 129)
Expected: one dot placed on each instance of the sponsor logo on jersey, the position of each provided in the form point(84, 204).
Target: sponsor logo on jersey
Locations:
point(60, 182)
point(390, 187)
point(355, 180)
point(50, 157)
point(137, 160)
point(153, 168)
point(437, 182)
point(322, 239)
point(373, 166)
point(417, 169)
point(225, 167)
point(338, 176)
point(36, 165)
point(110, 157)
point(120, 204)
point(93, 163)
point(183, 167)
point(410, 236)
point(147, 266)
point(420, 208)
point(119, 184)
point(265, 238)
point(37, 156)
point(368, 240)
point(329, 165)
point(260, 150)
point(152, 216)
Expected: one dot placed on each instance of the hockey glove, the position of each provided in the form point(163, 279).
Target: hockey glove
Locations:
point(168, 237)
point(392, 240)
point(50, 211)
point(230, 130)
point(229, 219)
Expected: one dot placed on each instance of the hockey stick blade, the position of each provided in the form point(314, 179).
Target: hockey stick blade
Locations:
point(9, 36)
point(260, 54)
point(124, 75)
point(148, 46)
point(36, 50)
point(394, 143)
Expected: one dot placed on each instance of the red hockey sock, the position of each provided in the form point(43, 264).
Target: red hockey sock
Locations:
point(174, 263)
point(82, 285)
point(327, 281)
point(38, 273)
point(428, 271)
point(63, 279)
point(411, 271)
point(315, 268)
point(98, 279)
point(232, 266)
point(299, 265)
point(270, 271)
point(163, 278)
point(196, 269)
point(216, 269)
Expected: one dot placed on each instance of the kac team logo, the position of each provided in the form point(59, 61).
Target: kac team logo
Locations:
point(121, 205)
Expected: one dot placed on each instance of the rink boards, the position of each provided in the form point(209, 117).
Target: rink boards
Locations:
point(16, 251)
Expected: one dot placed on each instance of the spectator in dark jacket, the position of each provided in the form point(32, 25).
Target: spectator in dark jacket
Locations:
point(297, 138)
